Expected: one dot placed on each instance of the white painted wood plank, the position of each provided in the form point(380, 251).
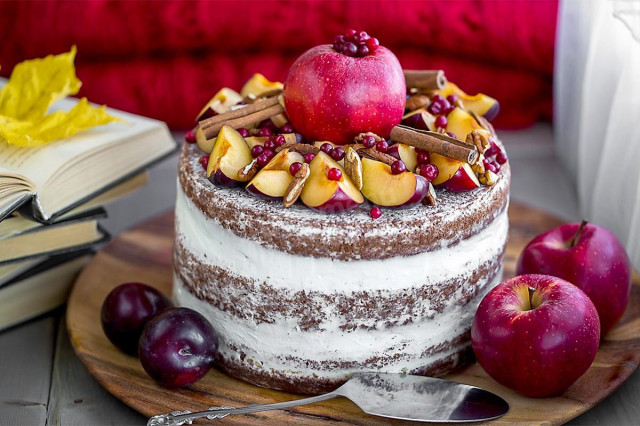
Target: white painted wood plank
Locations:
point(77, 399)
point(26, 354)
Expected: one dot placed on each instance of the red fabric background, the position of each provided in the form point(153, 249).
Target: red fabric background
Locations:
point(165, 59)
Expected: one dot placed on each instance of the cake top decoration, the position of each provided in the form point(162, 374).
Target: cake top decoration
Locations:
point(349, 125)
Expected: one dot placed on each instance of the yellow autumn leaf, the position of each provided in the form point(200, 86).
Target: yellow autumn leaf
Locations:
point(58, 125)
point(33, 87)
point(36, 84)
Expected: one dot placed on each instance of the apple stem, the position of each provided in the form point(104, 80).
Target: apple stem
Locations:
point(574, 239)
point(531, 291)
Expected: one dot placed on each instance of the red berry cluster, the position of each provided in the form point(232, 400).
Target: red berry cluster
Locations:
point(425, 168)
point(440, 105)
point(337, 153)
point(375, 212)
point(355, 43)
point(494, 157)
point(204, 161)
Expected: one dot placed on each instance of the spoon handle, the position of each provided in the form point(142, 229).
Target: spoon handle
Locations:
point(177, 418)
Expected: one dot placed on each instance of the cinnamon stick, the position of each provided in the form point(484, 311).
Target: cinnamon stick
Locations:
point(435, 142)
point(239, 112)
point(374, 154)
point(426, 79)
point(244, 121)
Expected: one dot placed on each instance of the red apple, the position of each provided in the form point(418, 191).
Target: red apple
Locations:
point(331, 96)
point(588, 256)
point(536, 334)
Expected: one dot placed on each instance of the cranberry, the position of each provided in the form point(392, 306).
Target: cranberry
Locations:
point(309, 157)
point(437, 98)
point(492, 150)
point(326, 148)
point(334, 174)
point(279, 140)
point(245, 133)
point(429, 171)
point(435, 108)
point(337, 153)
point(441, 122)
point(177, 347)
point(265, 131)
point(501, 157)
point(398, 167)
point(363, 50)
point(446, 107)
point(295, 168)
point(204, 161)
point(263, 159)
point(287, 128)
point(270, 144)
point(375, 212)
point(361, 36)
point(126, 310)
point(372, 43)
point(190, 136)
point(452, 99)
point(423, 157)
point(489, 166)
point(496, 166)
point(339, 39)
point(350, 33)
point(269, 153)
point(382, 146)
point(256, 150)
point(369, 141)
point(350, 49)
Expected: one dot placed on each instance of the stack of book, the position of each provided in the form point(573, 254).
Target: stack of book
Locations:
point(51, 201)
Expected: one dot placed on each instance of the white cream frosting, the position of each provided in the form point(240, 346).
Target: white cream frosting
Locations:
point(282, 346)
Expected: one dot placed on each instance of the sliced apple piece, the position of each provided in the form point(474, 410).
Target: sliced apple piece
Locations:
point(383, 188)
point(463, 180)
point(230, 154)
point(447, 167)
point(272, 181)
point(480, 103)
point(461, 123)
point(220, 103)
point(405, 153)
point(420, 119)
point(257, 85)
point(327, 195)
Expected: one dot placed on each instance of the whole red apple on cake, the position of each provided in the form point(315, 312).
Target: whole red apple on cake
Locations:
point(335, 95)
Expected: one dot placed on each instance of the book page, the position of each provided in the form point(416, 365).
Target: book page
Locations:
point(42, 163)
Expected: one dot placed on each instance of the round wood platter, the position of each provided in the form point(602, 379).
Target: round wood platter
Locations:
point(144, 254)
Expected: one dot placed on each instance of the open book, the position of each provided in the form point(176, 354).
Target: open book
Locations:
point(66, 173)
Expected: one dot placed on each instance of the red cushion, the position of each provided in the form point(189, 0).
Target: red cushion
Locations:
point(166, 59)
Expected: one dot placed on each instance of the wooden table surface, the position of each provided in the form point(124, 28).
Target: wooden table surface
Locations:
point(42, 382)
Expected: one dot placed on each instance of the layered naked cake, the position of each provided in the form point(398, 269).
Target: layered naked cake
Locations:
point(349, 220)
point(301, 299)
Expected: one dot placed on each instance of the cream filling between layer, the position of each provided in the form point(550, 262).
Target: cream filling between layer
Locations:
point(214, 245)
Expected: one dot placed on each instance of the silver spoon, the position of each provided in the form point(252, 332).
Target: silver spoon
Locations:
point(397, 396)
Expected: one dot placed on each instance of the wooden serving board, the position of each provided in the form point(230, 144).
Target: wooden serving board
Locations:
point(144, 254)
